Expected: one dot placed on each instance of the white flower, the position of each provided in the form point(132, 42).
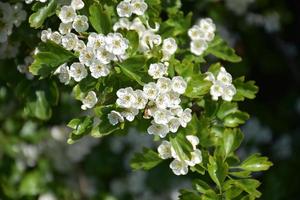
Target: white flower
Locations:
point(67, 14)
point(228, 92)
point(99, 70)
point(65, 28)
point(158, 129)
point(138, 7)
point(196, 158)
point(104, 56)
point(55, 37)
point(80, 23)
point(169, 47)
point(80, 46)
point(210, 77)
point(179, 167)
point(63, 73)
point(96, 41)
point(116, 43)
point(124, 9)
point(126, 97)
point(177, 110)
point(164, 85)
point(162, 100)
point(89, 101)
point(157, 70)
point(150, 91)
point(162, 116)
point(185, 117)
point(178, 84)
point(77, 4)
point(138, 26)
point(69, 41)
point(174, 124)
point(148, 40)
point(207, 25)
point(224, 77)
point(196, 33)
point(198, 47)
point(115, 117)
point(78, 71)
point(216, 90)
point(123, 23)
point(194, 140)
point(87, 57)
point(164, 150)
point(45, 35)
point(140, 99)
point(173, 99)
point(130, 114)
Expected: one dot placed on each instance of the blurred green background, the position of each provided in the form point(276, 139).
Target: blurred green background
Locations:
point(36, 162)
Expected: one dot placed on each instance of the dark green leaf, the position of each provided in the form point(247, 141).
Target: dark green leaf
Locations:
point(197, 86)
point(100, 19)
point(39, 106)
point(231, 140)
point(244, 89)
point(217, 170)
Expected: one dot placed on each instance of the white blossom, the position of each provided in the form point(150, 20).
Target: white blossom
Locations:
point(164, 85)
point(80, 46)
point(65, 28)
point(123, 23)
point(69, 41)
point(96, 41)
point(99, 70)
point(158, 129)
point(228, 92)
point(138, 7)
point(162, 100)
point(179, 167)
point(164, 150)
point(63, 73)
point(115, 117)
point(195, 33)
point(78, 71)
point(157, 70)
point(174, 124)
point(140, 99)
point(67, 14)
point(224, 77)
point(80, 23)
point(116, 44)
point(104, 56)
point(89, 100)
point(178, 84)
point(198, 47)
point(169, 47)
point(162, 116)
point(45, 34)
point(185, 117)
point(87, 57)
point(124, 9)
point(196, 158)
point(130, 113)
point(77, 4)
point(126, 97)
point(55, 37)
point(173, 99)
point(150, 91)
point(194, 140)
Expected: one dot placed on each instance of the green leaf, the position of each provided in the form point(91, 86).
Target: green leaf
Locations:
point(256, 163)
point(231, 140)
point(236, 119)
point(248, 185)
point(227, 108)
point(181, 145)
point(197, 87)
point(188, 195)
point(201, 186)
point(133, 68)
point(39, 106)
point(145, 160)
point(31, 183)
point(244, 89)
point(133, 38)
point(81, 126)
point(37, 19)
point(218, 170)
point(49, 57)
point(100, 19)
point(219, 48)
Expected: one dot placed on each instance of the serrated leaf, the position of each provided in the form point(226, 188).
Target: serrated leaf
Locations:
point(49, 57)
point(219, 48)
point(37, 19)
point(81, 127)
point(218, 170)
point(197, 87)
point(133, 68)
point(256, 163)
point(231, 140)
point(248, 185)
point(188, 195)
point(100, 19)
point(244, 89)
point(236, 119)
point(145, 160)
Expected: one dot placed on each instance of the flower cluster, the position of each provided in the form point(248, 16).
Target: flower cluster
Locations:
point(10, 15)
point(128, 7)
point(201, 34)
point(24, 68)
point(179, 165)
point(160, 101)
point(222, 85)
